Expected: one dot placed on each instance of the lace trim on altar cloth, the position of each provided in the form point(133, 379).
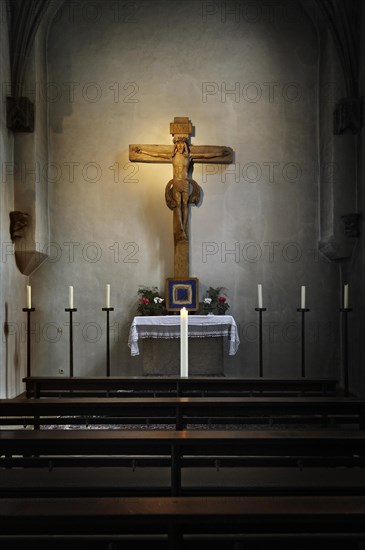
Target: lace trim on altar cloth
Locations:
point(194, 331)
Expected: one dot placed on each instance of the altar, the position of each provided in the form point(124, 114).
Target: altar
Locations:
point(209, 336)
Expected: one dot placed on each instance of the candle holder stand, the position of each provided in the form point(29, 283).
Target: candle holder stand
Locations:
point(108, 310)
point(71, 311)
point(344, 333)
point(303, 311)
point(28, 310)
point(261, 362)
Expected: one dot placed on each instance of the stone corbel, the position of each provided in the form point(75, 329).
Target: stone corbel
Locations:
point(27, 257)
point(341, 248)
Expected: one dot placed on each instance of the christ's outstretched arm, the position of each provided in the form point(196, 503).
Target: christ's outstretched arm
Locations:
point(224, 151)
point(150, 154)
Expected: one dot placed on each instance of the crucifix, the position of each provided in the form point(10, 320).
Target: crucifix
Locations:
point(181, 191)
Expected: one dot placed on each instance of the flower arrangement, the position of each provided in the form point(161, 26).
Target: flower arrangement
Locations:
point(150, 301)
point(215, 302)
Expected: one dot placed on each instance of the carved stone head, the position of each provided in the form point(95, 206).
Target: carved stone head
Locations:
point(18, 223)
point(351, 222)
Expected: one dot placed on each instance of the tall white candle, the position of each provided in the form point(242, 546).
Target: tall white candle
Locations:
point(302, 303)
point(71, 296)
point(107, 296)
point(184, 342)
point(346, 296)
point(259, 291)
point(29, 296)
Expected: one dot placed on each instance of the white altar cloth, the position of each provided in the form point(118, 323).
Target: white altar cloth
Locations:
point(168, 326)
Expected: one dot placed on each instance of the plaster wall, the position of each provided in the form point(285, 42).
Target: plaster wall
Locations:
point(118, 73)
point(357, 320)
point(31, 167)
point(13, 335)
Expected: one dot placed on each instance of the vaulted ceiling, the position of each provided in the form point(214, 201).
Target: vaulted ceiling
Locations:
point(340, 16)
point(25, 17)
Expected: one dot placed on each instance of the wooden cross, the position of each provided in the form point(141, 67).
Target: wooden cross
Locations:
point(181, 191)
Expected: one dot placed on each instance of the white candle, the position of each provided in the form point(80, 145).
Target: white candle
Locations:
point(346, 296)
point(71, 296)
point(184, 342)
point(107, 296)
point(302, 303)
point(29, 297)
point(259, 290)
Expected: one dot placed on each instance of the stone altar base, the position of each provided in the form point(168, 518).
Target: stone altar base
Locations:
point(161, 356)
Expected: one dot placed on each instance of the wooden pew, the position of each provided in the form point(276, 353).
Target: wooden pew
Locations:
point(182, 411)
point(142, 386)
point(178, 522)
point(53, 449)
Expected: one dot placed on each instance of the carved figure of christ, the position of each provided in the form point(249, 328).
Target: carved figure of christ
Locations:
point(181, 190)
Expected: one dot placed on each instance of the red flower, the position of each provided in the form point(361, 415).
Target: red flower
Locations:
point(221, 299)
point(144, 300)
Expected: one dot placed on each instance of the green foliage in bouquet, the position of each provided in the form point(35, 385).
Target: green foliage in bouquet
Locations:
point(215, 301)
point(150, 301)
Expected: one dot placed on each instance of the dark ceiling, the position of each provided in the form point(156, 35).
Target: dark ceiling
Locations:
point(340, 16)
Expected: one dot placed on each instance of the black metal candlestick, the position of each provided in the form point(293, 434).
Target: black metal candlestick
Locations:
point(107, 309)
point(29, 310)
point(345, 311)
point(71, 310)
point(303, 311)
point(261, 362)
